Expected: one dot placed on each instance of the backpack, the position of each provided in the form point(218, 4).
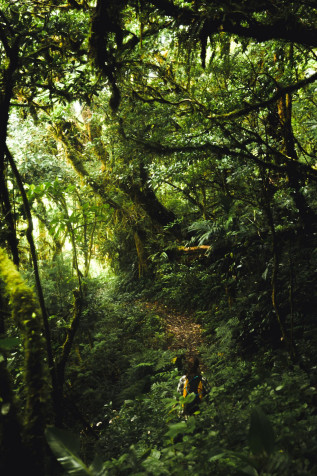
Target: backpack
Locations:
point(193, 385)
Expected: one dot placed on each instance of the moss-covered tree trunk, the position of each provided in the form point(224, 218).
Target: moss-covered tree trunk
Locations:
point(10, 422)
point(143, 195)
point(37, 412)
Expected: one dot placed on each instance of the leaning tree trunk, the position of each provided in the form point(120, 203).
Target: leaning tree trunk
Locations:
point(143, 195)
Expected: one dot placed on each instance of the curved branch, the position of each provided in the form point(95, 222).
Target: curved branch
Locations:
point(263, 104)
point(303, 169)
point(161, 99)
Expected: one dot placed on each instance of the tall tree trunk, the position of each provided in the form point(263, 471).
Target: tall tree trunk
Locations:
point(29, 235)
point(8, 216)
point(5, 99)
point(141, 252)
point(284, 107)
point(67, 347)
point(275, 255)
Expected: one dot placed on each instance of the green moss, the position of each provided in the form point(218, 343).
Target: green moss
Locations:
point(27, 317)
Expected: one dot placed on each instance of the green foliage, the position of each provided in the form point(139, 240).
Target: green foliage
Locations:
point(122, 342)
point(65, 447)
point(125, 384)
point(209, 139)
point(261, 435)
point(9, 343)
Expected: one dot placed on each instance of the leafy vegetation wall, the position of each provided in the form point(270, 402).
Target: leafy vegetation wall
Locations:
point(158, 153)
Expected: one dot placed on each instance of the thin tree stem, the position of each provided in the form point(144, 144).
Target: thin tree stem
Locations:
point(29, 235)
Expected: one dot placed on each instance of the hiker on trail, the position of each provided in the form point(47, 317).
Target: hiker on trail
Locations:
point(193, 382)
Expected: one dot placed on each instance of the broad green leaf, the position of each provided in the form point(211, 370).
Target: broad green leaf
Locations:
point(188, 399)
point(261, 434)
point(65, 446)
point(191, 423)
point(177, 429)
point(155, 454)
point(9, 343)
point(5, 408)
point(97, 465)
point(217, 456)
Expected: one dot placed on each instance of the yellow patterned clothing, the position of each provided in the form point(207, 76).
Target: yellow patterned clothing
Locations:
point(197, 385)
point(182, 380)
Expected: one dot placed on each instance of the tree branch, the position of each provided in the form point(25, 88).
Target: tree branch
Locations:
point(161, 100)
point(242, 23)
point(262, 104)
point(303, 169)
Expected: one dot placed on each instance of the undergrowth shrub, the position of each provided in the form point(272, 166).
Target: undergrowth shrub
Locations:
point(123, 379)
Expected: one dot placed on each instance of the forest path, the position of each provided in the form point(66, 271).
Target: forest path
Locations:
point(182, 332)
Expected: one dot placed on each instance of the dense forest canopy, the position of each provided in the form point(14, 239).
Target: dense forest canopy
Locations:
point(157, 157)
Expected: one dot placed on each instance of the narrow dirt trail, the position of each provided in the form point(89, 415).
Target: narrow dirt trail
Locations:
point(181, 330)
